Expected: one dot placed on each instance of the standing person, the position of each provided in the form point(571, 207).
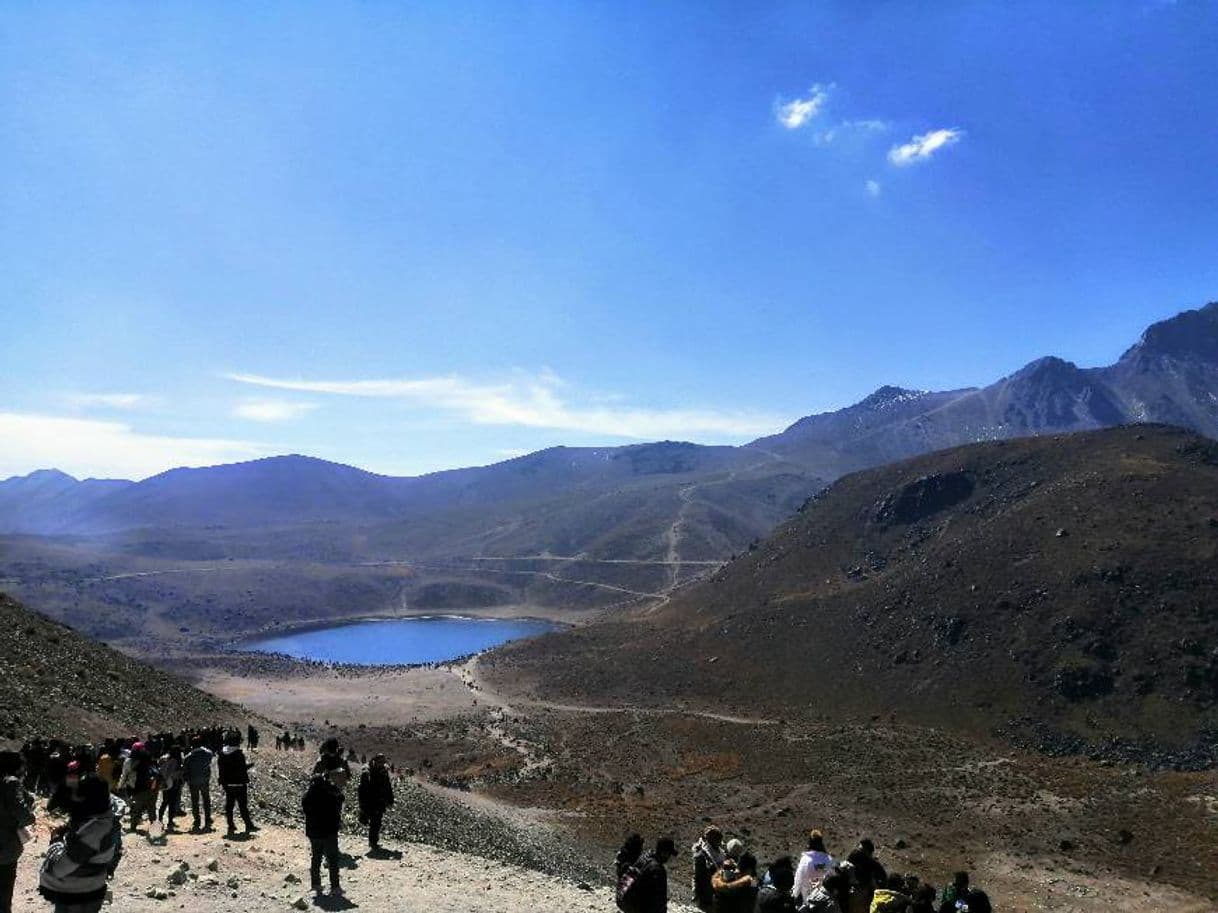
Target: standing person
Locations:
point(957, 890)
point(830, 896)
point(892, 897)
point(814, 865)
point(329, 757)
point(627, 856)
point(107, 767)
point(197, 768)
point(649, 893)
point(323, 811)
point(16, 817)
point(251, 737)
point(775, 894)
point(171, 786)
point(866, 874)
point(74, 871)
point(736, 891)
point(375, 796)
point(139, 779)
point(235, 780)
point(708, 857)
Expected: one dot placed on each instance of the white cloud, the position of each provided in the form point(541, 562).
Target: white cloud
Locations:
point(873, 188)
point(272, 410)
point(797, 113)
point(533, 402)
point(90, 447)
point(110, 400)
point(851, 128)
point(922, 147)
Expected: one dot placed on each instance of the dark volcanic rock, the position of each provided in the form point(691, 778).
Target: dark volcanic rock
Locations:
point(925, 497)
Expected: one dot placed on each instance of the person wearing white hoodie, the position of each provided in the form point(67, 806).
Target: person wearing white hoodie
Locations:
point(814, 865)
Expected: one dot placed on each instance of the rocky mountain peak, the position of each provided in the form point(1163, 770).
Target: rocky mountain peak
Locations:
point(889, 395)
point(1191, 335)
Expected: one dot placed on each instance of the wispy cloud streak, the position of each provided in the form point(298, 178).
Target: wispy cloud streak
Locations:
point(531, 401)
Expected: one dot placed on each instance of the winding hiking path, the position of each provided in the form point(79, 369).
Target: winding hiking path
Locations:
point(468, 673)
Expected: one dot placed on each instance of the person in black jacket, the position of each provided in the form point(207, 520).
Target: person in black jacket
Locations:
point(375, 796)
point(323, 811)
point(651, 889)
point(16, 817)
point(234, 773)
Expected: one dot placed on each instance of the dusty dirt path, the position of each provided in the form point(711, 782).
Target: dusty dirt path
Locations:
point(270, 873)
point(468, 673)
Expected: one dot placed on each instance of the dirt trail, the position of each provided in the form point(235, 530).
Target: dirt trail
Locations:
point(270, 872)
point(468, 673)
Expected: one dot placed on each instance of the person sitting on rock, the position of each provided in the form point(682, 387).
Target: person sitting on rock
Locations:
point(375, 797)
point(736, 886)
point(708, 857)
point(323, 810)
point(74, 871)
point(814, 864)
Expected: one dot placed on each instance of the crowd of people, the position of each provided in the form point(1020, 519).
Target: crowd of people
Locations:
point(93, 790)
point(95, 793)
point(728, 879)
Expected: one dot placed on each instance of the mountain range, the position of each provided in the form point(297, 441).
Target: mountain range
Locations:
point(1057, 589)
point(659, 501)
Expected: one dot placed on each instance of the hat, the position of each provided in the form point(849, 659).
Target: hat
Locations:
point(734, 848)
point(138, 746)
point(73, 767)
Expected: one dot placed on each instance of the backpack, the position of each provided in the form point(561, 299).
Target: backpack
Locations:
point(627, 894)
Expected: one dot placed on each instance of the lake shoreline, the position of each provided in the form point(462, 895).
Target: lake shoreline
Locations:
point(429, 649)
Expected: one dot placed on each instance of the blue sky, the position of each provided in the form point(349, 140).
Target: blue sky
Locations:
point(409, 237)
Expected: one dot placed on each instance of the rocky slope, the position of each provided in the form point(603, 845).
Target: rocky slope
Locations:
point(56, 683)
point(1060, 589)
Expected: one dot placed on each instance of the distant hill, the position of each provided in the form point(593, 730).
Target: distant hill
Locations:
point(1058, 589)
point(56, 683)
point(640, 517)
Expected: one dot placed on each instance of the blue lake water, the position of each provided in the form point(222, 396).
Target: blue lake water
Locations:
point(401, 641)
